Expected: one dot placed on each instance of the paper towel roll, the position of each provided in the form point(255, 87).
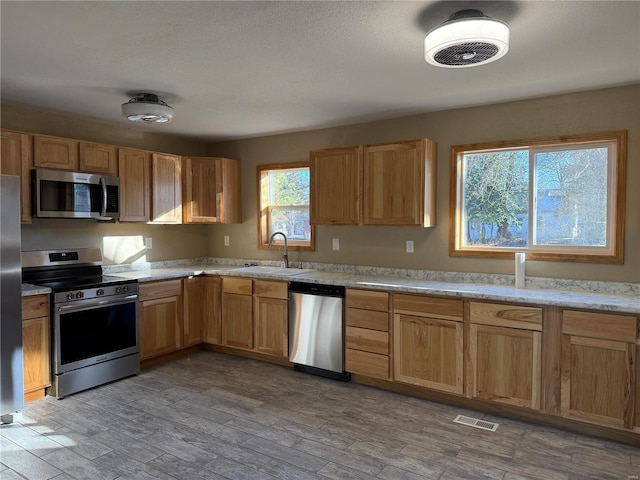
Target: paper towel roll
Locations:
point(520, 258)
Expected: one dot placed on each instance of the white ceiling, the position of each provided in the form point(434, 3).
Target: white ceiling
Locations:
point(243, 69)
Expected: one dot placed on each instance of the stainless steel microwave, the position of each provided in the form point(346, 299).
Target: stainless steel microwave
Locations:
point(63, 194)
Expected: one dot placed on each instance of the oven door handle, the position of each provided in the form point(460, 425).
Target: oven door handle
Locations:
point(83, 305)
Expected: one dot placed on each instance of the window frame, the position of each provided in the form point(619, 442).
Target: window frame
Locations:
point(263, 216)
point(613, 253)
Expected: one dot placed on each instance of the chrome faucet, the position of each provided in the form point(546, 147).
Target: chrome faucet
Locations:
point(285, 255)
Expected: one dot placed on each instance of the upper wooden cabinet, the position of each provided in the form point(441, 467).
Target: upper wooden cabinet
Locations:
point(98, 158)
point(400, 183)
point(383, 184)
point(135, 171)
point(69, 154)
point(505, 353)
point(55, 152)
point(598, 367)
point(16, 159)
point(166, 188)
point(336, 186)
point(212, 192)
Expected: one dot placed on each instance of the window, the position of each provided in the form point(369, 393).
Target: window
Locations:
point(283, 203)
point(556, 198)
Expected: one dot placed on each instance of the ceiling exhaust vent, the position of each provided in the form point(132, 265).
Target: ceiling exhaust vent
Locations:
point(467, 39)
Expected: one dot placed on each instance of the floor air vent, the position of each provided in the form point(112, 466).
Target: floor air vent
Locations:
point(474, 422)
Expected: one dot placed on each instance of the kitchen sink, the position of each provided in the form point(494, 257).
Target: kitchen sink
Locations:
point(274, 270)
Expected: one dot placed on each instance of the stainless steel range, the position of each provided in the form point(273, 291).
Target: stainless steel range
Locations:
point(94, 318)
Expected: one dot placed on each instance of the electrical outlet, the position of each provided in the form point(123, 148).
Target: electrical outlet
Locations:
point(148, 243)
point(226, 240)
point(409, 246)
point(335, 244)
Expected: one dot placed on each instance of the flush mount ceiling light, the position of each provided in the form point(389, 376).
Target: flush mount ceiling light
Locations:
point(468, 38)
point(147, 108)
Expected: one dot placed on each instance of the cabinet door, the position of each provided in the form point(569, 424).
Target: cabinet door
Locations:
point(396, 176)
point(271, 320)
point(54, 152)
point(35, 352)
point(598, 380)
point(505, 365)
point(16, 159)
point(166, 188)
point(98, 158)
point(336, 186)
point(203, 190)
point(201, 310)
point(160, 326)
point(428, 352)
point(237, 320)
point(135, 170)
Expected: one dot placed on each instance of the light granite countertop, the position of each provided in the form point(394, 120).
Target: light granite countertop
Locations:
point(623, 298)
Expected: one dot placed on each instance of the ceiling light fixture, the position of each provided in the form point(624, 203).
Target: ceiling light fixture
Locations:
point(147, 108)
point(468, 38)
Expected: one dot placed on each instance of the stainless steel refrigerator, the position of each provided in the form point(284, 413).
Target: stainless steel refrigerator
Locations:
point(11, 376)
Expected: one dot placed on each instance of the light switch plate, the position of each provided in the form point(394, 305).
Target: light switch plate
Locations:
point(226, 240)
point(335, 244)
point(148, 243)
point(409, 246)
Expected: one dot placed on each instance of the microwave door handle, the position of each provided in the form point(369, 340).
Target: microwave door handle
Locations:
point(103, 184)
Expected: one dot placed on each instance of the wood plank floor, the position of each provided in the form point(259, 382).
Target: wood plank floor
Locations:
point(213, 416)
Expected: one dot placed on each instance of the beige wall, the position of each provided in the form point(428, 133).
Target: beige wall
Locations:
point(593, 111)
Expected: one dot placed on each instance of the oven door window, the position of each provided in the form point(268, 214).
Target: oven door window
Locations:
point(91, 333)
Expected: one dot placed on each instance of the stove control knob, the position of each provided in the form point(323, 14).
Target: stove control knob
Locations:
point(100, 292)
point(70, 296)
point(79, 295)
point(118, 289)
point(125, 288)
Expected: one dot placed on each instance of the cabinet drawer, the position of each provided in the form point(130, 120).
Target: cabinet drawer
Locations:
point(428, 306)
point(511, 316)
point(600, 325)
point(151, 290)
point(365, 363)
point(367, 340)
point(240, 286)
point(35, 306)
point(367, 319)
point(368, 300)
point(266, 288)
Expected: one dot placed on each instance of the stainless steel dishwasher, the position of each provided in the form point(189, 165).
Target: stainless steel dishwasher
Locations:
point(316, 329)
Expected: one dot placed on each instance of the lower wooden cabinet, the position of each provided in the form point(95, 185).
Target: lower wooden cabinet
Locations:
point(271, 315)
point(36, 346)
point(428, 342)
point(237, 312)
point(255, 315)
point(201, 310)
point(367, 338)
point(598, 367)
point(161, 318)
point(505, 353)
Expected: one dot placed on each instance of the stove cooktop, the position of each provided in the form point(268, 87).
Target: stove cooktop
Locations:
point(79, 283)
